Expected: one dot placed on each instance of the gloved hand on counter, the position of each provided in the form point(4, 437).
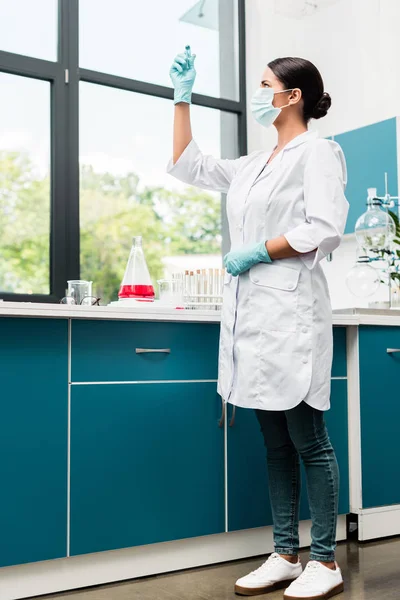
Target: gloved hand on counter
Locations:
point(239, 261)
point(182, 75)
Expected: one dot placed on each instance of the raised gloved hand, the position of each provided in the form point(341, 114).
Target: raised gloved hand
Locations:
point(182, 75)
point(242, 260)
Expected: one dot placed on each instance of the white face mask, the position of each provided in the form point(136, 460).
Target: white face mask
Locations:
point(262, 108)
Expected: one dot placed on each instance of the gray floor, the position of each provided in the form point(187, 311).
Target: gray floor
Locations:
point(371, 572)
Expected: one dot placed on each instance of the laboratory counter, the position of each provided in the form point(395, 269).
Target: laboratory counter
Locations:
point(122, 460)
point(155, 311)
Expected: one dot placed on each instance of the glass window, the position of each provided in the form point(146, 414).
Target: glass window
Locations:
point(139, 40)
point(125, 190)
point(29, 27)
point(24, 185)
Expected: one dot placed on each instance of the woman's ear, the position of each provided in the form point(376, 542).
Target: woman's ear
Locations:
point(295, 96)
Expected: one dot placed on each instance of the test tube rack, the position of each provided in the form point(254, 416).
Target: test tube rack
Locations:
point(202, 288)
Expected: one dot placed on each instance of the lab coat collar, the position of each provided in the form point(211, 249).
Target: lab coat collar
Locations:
point(307, 136)
point(261, 165)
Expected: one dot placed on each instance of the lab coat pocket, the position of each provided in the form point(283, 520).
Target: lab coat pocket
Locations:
point(274, 293)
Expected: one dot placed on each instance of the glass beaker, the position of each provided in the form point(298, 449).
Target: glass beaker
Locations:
point(78, 289)
point(137, 282)
point(171, 292)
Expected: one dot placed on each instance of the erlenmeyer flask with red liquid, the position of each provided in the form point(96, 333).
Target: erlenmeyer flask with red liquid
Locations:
point(137, 282)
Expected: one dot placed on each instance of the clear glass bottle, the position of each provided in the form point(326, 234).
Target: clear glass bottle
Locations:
point(375, 229)
point(137, 281)
point(363, 280)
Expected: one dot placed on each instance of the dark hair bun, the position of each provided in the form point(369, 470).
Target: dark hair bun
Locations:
point(321, 108)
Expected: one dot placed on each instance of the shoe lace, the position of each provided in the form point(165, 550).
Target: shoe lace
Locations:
point(309, 573)
point(269, 564)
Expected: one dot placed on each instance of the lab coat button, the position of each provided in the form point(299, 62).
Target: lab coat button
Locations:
point(305, 360)
point(290, 286)
point(255, 279)
point(304, 330)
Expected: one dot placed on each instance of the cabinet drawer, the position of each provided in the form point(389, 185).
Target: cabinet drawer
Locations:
point(107, 351)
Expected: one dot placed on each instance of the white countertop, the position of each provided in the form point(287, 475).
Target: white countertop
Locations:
point(155, 312)
point(142, 312)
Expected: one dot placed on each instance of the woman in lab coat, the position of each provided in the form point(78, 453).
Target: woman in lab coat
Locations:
point(286, 211)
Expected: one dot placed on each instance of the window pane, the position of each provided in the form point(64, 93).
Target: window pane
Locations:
point(125, 144)
point(24, 185)
point(29, 27)
point(139, 40)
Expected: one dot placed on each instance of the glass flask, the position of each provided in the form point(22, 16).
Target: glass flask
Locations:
point(137, 282)
point(375, 229)
point(363, 280)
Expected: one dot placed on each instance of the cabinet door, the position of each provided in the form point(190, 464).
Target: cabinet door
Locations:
point(248, 499)
point(147, 464)
point(33, 439)
point(380, 415)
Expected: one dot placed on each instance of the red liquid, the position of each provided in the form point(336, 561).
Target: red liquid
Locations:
point(141, 292)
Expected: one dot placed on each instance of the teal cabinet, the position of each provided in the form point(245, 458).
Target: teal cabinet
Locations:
point(339, 363)
point(248, 500)
point(107, 351)
point(248, 504)
point(380, 415)
point(147, 464)
point(33, 439)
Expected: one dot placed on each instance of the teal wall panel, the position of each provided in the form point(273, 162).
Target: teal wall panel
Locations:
point(370, 152)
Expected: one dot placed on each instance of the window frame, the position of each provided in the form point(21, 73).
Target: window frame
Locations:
point(64, 76)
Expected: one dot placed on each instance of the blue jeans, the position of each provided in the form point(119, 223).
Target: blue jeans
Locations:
point(289, 435)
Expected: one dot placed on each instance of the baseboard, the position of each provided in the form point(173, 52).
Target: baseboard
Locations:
point(28, 581)
point(380, 522)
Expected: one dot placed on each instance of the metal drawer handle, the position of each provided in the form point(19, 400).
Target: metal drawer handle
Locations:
point(152, 350)
point(392, 350)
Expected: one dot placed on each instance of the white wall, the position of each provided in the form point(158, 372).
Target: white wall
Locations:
point(355, 44)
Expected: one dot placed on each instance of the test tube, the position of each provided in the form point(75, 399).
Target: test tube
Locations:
point(201, 288)
point(188, 54)
point(215, 286)
point(196, 285)
point(186, 283)
point(210, 286)
point(191, 284)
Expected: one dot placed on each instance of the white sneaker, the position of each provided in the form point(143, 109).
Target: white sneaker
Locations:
point(275, 574)
point(317, 582)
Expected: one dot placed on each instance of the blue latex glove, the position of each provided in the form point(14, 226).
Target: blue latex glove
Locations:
point(242, 260)
point(182, 75)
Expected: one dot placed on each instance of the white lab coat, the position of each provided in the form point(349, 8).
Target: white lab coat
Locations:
point(276, 322)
